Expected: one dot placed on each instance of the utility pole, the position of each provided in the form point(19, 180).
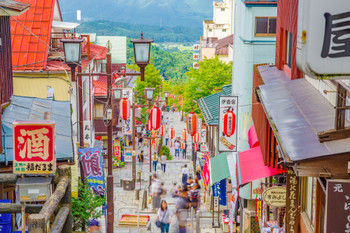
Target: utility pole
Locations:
point(133, 145)
point(110, 195)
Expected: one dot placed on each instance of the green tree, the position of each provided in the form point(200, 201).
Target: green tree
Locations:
point(86, 207)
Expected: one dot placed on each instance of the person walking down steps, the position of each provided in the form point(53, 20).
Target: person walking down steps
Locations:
point(163, 162)
point(155, 161)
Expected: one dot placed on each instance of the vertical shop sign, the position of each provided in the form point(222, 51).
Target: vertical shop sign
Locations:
point(92, 164)
point(34, 147)
point(199, 130)
point(127, 125)
point(205, 172)
point(292, 202)
point(227, 144)
point(338, 206)
point(219, 190)
point(117, 149)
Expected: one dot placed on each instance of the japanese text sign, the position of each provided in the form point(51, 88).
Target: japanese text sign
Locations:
point(219, 190)
point(205, 172)
point(227, 144)
point(196, 56)
point(338, 206)
point(195, 65)
point(196, 47)
point(275, 196)
point(34, 147)
point(292, 202)
point(323, 44)
point(127, 125)
point(91, 160)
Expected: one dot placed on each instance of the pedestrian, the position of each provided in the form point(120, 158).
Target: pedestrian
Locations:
point(195, 194)
point(163, 159)
point(184, 148)
point(164, 217)
point(182, 206)
point(141, 157)
point(156, 191)
point(163, 194)
point(177, 148)
point(155, 161)
point(184, 174)
point(198, 173)
point(140, 142)
point(174, 190)
point(189, 181)
point(166, 137)
point(94, 226)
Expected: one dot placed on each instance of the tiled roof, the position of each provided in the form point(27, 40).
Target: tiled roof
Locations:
point(100, 86)
point(209, 105)
point(26, 48)
point(14, 5)
point(96, 51)
point(61, 66)
point(222, 45)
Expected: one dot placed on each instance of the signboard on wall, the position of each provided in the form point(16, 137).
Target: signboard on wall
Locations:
point(127, 125)
point(87, 132)
point(338, 206)
point(227, 144)
point(196, 56)
point(292, 202)
point(195, 65)
point(199, 129)
point(323, 45)
point(34, 147)
point(196, 47)
point(275, 196)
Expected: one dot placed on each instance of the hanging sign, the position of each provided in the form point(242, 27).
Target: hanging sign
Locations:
point(128, 155)
point(292, 202)
point(91, 160)
point(196, 47)
point(34, 147)
point(199, 129)
point(127, 124)
point(219, 190)
point(205, 172)
point(227, 144)
point(196, 56)
point(275, 196)
point(87, 132)
point(116, 154)
point(338, 206)
point(195, 65)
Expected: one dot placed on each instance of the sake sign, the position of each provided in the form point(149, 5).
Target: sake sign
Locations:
point(275, 196)
point(34, 147)
point(227, 144)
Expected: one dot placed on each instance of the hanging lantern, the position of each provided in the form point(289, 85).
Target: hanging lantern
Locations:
point(172, 133)
point(196, 137)
point(156, 115)
point(162, 130)
point(191, 121)
point(153, 141)
point(170, 143)
point(183, 145)
point(196, 146)
point(125, 108)
point(184, 135)
point(229, 123)
point(149, 126)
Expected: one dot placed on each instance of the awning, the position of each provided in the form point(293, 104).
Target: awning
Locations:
point(250, 164)
point(64, 25)
point(219, 168)
point(253, 139)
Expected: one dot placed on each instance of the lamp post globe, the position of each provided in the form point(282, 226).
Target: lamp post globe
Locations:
point(149, 92)
point(142, 51)
point(118, 93)
point(72, 51)
point(166, 94)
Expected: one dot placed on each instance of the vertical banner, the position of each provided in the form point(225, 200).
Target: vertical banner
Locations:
point(227, 144)
point(205, 172)
point(219, 190)
point(233, 208)
point(199, 130)
point(91, 160)
point(127, 125)
point(87, 132)
point(116, 153)
point(292, 204)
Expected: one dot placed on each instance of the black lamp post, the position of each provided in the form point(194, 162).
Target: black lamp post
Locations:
point(166, 96)
point(142, 51)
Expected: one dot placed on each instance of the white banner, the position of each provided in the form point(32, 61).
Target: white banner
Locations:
point(199, 129)
point(127, 125)
point(227, 144)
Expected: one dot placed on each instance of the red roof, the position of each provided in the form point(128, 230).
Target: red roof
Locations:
point(100, 86)
point(61, 66)
point(96, 50)
point(26, 48)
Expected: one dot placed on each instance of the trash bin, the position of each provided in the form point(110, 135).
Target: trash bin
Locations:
point(128, 184)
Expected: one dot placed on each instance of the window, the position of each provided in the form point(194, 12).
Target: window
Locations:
point(265, 26)
point(223, 30)
point(210, 30)
point(222, 9)
point(309, 204)
point(289, 49)
point(98, 111)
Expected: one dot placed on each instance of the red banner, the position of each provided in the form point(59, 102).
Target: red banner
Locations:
point(205, 172)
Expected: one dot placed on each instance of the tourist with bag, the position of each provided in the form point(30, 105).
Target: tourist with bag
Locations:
point(164, 217)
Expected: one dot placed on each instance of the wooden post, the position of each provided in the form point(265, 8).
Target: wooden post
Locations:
point(13, 208)
point(60, 220)
point(36, 223)
point(65, 171)
point(340, 102)
point(8, 178)
point(292, 202)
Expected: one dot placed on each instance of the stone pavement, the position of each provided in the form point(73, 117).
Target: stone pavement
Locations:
point(127, 199)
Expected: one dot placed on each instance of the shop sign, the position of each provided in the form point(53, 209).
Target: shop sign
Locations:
point(127, 125)
point(195, 65)
point(292, 202)
point(117, 149)
point(87, 132)
point(338, 206)
point(196, 47)
point(203, 147)
point(196, 56)
point(219, 190)
point(323, 46)
point(128, 155)
point(216, 204)
point(205, 172)
point(91, 160)
point(199, 129)
point(34, 147)
point(227, 144)
point(275, 196)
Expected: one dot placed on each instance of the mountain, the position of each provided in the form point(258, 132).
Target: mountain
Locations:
point(150, 12)
point(179, 34)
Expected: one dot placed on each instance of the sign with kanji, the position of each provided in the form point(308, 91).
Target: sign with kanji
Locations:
point(34, 147)
point(205, 172)
point(116, 153)
point(195, 65)
point(196, 47)
point(227, 144)
point(338, 206)
point(323, 44)
point(196, 56)
point(127, 125)
point(87, 132)
point(219, 190)
point(91, 160)
point(275, 196)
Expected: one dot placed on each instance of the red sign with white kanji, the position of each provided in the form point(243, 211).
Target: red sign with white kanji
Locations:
point(34, 147)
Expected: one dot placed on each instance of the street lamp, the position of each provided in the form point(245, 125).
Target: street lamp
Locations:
point(149, 93)
point(118, 93)
point(166, 96)
point(142, 51)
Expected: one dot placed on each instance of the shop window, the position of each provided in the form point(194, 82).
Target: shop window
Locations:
point(223, 30)
point(309, 205)
point(289, 49)
point(98, 111)
point(265, 26)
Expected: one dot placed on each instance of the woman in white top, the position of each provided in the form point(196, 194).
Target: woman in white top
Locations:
point(164, 216)
point(163, 162)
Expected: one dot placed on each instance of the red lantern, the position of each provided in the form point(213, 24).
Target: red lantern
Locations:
point(172, 133)
point(170, 143)
point(184, 136)
point(162, 130)
point(149, 126)
point(196, 147)
point(156, 115)
point(229, 123)
point(125, 108)
point(191, 121)
point(183, 145)
point(196, 137)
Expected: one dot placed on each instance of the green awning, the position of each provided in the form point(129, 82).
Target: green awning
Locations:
point(219, 169)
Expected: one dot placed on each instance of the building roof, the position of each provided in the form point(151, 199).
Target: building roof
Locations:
point(259, 2)
point(32, 109)
point(208, 21)
point(118, 50)
point(209, 105)
point(28, 49)
point(222, 45)
point(14, 5)
point(100, 86)
point(99, 52)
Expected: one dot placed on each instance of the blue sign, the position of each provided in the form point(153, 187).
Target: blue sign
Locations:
point(219, 190)
point(91, 160)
